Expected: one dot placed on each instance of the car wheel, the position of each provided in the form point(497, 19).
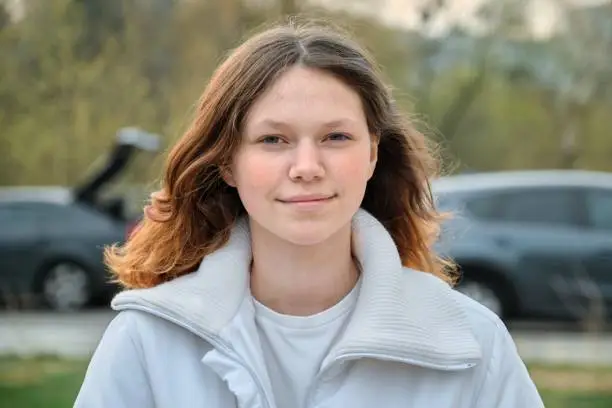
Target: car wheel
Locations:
point(66, 285)
point(483, 294)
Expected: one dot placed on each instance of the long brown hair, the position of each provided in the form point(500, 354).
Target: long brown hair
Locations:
point(191, 215)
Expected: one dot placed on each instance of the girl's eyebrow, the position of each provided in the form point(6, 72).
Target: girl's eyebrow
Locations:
point(280, 125)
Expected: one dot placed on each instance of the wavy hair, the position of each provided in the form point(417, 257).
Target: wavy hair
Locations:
point(192, 213)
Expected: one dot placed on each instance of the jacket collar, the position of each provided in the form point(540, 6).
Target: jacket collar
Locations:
point(401, 314)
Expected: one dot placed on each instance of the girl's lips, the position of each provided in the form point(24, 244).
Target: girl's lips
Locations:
point(308, 199)
point(309, 203)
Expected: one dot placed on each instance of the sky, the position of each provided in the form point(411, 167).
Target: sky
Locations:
point(545, 15)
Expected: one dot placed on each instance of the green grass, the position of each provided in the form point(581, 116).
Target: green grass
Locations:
point(50, 382)
point(39, 382)
point(564, 399)
point(564, 386)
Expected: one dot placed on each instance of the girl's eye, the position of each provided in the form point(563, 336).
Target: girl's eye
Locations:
point(271, 140)
point(337, 136)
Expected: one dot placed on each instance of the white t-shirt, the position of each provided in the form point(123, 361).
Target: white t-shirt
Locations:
point(294, 346)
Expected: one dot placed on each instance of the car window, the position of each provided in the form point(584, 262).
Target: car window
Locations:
point(550, 206)
point(17, 220)
point(446, 202)
point(66, 219)
point(59, 218)
point(485, 206)
point(41, 211)
point(599, 207)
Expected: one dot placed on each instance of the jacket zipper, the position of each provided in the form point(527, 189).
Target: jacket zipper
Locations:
point(378, 356)
point(214, 341)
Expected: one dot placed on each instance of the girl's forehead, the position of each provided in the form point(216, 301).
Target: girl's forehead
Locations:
point(306, 94)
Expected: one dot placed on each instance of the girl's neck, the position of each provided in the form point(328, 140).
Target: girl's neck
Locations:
point(301, 280)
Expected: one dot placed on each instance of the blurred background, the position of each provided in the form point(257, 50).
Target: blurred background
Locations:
point(517, 94)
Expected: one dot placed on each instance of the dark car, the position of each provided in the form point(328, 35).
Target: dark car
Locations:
point(52, 238)
point(532, 244)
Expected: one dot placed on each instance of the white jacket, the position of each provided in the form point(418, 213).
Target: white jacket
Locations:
point(412, 341)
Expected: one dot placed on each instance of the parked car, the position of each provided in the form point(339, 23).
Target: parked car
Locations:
point(52, 238)
point(531, 244)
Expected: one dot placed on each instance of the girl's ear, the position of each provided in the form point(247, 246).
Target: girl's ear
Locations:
point(227, 175)
point(373, 156)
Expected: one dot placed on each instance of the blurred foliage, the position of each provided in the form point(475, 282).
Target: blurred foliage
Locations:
point(72, 72)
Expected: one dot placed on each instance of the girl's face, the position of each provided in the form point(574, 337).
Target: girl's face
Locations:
point(305, 158)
